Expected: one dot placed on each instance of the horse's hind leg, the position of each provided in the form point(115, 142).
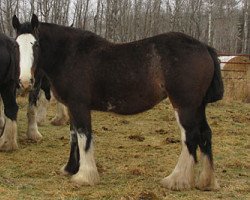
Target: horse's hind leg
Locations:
point(8, 139)
point(182, 176)
point(206, 180)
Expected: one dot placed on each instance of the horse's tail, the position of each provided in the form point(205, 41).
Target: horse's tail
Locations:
point(216, 88)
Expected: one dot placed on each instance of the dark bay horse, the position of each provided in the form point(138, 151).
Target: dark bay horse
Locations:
point(87, 73)
point(9, 81)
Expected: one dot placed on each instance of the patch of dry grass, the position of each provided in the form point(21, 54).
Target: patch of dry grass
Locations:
point(133, 154)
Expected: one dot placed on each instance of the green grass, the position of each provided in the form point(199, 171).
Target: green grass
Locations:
point(133, 154)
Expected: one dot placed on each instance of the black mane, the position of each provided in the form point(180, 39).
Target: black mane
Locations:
point(60, 32)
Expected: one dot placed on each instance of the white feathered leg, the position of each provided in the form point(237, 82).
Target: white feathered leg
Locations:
point(32, 132)
point(8, 140)
point(42, 105)
point(87, 174)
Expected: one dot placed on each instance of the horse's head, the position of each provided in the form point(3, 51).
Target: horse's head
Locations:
point(26, 37)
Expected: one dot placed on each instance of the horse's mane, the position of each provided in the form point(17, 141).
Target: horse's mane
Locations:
point(61, 31)
point(8, 41)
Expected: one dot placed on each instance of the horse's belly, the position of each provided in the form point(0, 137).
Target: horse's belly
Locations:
point(134, 105)
point(134, 96)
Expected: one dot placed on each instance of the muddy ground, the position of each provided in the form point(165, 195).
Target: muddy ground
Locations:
point(133, 154)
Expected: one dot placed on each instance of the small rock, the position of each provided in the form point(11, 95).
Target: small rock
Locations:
point(147, 196)
point(137, 138)
point(105, 128)
point(172, 140)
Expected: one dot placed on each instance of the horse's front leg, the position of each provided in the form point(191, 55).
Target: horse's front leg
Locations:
point(32, 132)
point(8, 139)
point(87, 173)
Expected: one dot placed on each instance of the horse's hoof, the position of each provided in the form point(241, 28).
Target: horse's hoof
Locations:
point(6, 145)
point(8, 140)
point(35, 136)
point(40, 122)
point(63, 172)
point(207, 185)
point(58, 121)
point(175, 182)
point(88, 177)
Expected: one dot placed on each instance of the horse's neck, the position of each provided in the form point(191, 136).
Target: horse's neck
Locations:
point(49, 47)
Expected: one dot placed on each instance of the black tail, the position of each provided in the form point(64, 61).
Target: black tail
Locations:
point(216, 88)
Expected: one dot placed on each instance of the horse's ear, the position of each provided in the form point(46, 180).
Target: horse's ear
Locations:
point(15, 22)
point(34, 22)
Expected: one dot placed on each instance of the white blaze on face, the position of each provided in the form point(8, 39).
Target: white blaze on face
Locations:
point(26, 42)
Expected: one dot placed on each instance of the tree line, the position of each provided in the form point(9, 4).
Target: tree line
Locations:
point(224, 24)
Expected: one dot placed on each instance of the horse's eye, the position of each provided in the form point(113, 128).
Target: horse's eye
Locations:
point(36, 45)
point(31, 80)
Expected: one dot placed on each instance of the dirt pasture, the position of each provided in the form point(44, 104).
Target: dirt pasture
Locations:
point(133, 154)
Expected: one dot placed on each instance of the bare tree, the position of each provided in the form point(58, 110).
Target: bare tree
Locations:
point(246, 27)
point(223, 24)
point(210, 22)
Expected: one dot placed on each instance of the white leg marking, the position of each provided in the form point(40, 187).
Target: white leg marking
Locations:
point(32, 132)
point(8, 140)
point(87, 174)
point(42, 105)
point(61, 116)
point(207, 180)
point(182, 176)
point(1, 114)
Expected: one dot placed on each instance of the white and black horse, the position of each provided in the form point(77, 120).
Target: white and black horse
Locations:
point(87, 73)
point(9, 76)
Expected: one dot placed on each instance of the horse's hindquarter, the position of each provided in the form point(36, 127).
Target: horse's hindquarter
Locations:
point(188, 69)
